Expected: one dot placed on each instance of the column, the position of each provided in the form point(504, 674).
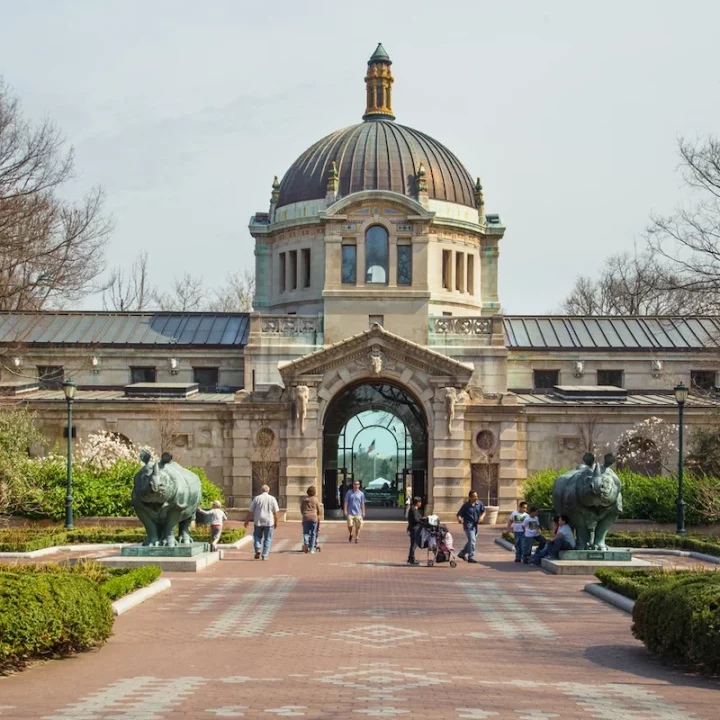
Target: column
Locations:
point(489, 254)
point(263, 275)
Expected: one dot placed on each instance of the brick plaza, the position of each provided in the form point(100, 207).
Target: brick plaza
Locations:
point(352, 632)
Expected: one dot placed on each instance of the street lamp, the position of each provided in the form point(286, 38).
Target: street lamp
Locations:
point(681, 395)
point(69, 388)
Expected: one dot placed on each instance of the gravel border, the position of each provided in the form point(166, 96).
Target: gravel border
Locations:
point(610, 596)
point(133, 599)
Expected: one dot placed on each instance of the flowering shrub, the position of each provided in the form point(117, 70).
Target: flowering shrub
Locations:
point(103, 449)
point(648, 445)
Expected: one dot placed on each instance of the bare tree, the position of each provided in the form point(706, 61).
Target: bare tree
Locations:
point(51, 249)
point(167, 418)
point(129, 291)
point(590, 433)
point(265, 461)
point(187, 294)
point(236, 295)
point(636, 283)
point(689, 239)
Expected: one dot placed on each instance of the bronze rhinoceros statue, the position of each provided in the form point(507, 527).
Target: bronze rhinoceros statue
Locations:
point(165, 495)
point(591, 497)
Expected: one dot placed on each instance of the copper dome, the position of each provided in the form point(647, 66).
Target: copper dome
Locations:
point(377, 155)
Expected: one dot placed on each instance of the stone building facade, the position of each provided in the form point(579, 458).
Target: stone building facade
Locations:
point(376, 271)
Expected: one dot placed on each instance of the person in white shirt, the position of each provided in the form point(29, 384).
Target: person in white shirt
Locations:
point(217, 518)
point(515, 523)
point(263, 512)
point(563, 540)
point(531, 533)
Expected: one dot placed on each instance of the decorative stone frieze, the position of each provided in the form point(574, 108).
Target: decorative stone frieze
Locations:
point(461, 325)
point(290, 324)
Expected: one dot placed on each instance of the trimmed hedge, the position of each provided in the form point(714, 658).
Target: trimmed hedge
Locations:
point(49, 615)
point(644, 498)
point(631, 583)
point(29, 539)
point(679, 620)
point(122, 584)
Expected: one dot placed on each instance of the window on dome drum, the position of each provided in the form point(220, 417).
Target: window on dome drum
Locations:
point(613, 378)
point(471, 274)
point(306, 266)
point(460, 271)
point(703, 380)
point(51, 377)
point(376, 255)
point(282, 273)
point(545, 379)
point(404, 265)
point(293, 270)
point(349, 264)
point(142, 375)
point(447, 269)
point(206, 378)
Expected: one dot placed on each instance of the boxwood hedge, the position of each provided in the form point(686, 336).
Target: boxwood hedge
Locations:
point(49, 615)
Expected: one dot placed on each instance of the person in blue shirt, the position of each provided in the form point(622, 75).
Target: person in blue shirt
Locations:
point(470, 515)
point(354, 509)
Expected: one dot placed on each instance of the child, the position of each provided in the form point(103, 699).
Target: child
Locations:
point(310, 510)
point(217, 518)
point(515, 522)
point(531, 532)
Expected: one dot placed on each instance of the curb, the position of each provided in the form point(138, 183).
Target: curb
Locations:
point(123, 604)
point(64, 548)
point(678, 553)
point(237, 544)
point(610, 596)
point(504, 544)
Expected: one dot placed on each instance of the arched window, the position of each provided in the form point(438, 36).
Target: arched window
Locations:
point(376, 255)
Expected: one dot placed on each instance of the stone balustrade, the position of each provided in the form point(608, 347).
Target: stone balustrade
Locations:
point(291, 324)
point(467, 326)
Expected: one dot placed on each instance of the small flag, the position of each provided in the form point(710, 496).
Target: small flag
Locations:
point(371, 447)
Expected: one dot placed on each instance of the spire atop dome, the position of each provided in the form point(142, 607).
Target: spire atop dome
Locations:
point(379, 82)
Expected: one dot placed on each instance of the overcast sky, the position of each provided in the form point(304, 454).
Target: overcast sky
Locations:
point(570, 111)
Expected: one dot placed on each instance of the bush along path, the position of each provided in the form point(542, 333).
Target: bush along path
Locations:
point(55, 610)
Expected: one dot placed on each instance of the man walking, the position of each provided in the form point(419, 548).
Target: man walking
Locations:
point(354, 509)
point(264, 514)
point(469, 516)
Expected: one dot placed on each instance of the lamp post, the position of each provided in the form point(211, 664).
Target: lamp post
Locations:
point(69, 388)
point(681, 395)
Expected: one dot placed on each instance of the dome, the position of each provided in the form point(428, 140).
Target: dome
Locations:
point(377, 154)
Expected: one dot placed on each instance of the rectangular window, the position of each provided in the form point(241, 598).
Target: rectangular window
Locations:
point(283, 273)
point(306, 267)
point(703, 380)
point(447, 269)
point(376, 319)
point(51, 377)
point(293, 270)
point(142, 375)
point(612, 378)
point(460, 271)
point(545, 379)
point(206, 378)
point(349, 264)
point(404, 265)
point(471, 274)
point(446, 314)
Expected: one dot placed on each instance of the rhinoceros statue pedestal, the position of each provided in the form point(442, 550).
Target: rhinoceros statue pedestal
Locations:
point(165, 497)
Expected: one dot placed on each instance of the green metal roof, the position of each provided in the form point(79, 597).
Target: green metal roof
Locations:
point(380, 55)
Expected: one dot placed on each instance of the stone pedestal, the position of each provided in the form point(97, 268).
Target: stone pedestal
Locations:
point(160, 551)
point(597, 555)
point(182, 558)
point(588, 567)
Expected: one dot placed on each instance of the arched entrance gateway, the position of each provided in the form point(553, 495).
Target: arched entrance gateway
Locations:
point(375, 432)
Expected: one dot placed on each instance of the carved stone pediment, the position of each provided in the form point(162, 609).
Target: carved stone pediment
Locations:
point(377, 353)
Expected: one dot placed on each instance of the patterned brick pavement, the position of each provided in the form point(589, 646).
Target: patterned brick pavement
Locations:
point(351, 632)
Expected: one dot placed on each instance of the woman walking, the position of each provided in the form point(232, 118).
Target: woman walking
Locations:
point(310, 509)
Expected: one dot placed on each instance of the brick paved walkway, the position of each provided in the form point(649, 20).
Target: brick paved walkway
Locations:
point(353, 633)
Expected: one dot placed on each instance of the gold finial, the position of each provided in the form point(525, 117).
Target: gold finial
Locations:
point(378, 82)
point(421, 179)
point(275, 196)
point(333, 182)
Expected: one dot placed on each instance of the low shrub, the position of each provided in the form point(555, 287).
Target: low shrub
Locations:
point(29, 539)
point(680, 620)
point(644, 498)
point(121, 584)
point(631, 583)
point(693, 543)
point(49, 615)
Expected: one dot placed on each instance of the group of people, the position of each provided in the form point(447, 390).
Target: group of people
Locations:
point(525, 526)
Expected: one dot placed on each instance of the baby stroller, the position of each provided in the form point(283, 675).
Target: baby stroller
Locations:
point(435, 536)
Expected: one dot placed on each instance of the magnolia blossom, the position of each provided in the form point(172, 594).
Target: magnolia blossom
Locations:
point(101, 450)
point(648, 442)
